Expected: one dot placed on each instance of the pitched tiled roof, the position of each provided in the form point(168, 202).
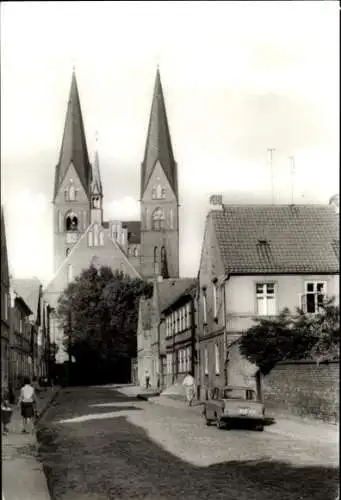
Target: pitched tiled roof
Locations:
point(277, 238)
point(29, 290)
point(158, 143)
point(169, 290)
point(134, 231)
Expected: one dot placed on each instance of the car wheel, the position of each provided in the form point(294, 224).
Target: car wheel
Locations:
point(220, 424)
point(208, 422)
point(260, 428)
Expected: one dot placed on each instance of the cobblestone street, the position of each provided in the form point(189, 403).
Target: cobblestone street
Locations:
point(98, 444)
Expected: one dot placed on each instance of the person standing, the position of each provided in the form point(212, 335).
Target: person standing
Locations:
point(147, 378)
point(189, 384)
point(27, 401)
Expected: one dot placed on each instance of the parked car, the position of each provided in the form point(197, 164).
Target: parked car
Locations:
point(234, 406)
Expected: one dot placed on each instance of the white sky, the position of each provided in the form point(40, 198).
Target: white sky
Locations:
point(238, 78)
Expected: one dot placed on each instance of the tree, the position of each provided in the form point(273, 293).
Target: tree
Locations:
point(98, 312)
point(293, 336)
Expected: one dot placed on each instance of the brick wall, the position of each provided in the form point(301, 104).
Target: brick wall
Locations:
point(304, 389)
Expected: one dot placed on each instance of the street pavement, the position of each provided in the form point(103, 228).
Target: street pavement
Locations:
point(99, 444)
point(22, 474)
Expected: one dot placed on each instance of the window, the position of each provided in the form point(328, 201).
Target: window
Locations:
point(215, 300)
point(158, 220)
point(314, 297)
point(95, 235)
point(67, 251)
point(20, 325)
point(176, 322)
point(163, 193)
point(167, 326)
point(153, 192)
point(136, 252)
point(6, 306)
point(204, 305)
point(206, 361)
point(189, 359)
point(66, 194)
point(156, 262)
point(69, 273)
point(72, 193)
point(188, 315)
point(266, 304)
point(217, 359)
point(171, 219)
point(71, 222)
point(169, 363)
point(180, 319)
point(90, 239)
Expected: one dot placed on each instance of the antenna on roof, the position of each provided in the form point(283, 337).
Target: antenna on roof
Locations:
point(270, 151)
point(292, 174)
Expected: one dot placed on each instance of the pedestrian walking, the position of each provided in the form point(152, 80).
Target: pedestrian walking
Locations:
point(147, 378)
point(6, 410)
point(27, 402)
point(189, 384)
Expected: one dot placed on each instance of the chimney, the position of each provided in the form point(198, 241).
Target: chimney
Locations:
point(216, 202)
point(335, 202)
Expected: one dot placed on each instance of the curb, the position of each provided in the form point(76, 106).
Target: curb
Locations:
point(47, 404)
point(146, 397)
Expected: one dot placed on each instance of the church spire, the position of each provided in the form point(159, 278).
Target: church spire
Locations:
point(73, 148)
point(158, 144)
point(96, 189)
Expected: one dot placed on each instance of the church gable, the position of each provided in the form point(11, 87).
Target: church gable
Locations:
point(158, 187)
point(92, 248)
point(71, 189)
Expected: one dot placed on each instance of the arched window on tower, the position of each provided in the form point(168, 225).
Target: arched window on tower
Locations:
point(158, 192)
point(158, 220)
point(71, 222)
point(156, 262)
point(163, 193)
point(153, 192)
point(72, 193)
point(66, 194)
point(96, 235)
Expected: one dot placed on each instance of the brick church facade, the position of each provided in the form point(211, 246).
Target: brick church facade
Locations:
point(147, 248)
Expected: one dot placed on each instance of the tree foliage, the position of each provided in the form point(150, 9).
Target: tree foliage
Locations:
point(293, 336)
point(98, 312)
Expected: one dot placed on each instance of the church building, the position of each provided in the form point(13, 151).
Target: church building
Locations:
point(148, 248)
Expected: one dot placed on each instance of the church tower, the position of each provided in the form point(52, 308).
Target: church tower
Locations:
point(96, 193)
point(72, 187)
point(159, 196)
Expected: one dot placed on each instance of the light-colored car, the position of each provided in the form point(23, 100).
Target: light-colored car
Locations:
point(232, 406)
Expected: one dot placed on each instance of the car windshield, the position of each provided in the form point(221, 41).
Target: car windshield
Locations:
point(245, 394)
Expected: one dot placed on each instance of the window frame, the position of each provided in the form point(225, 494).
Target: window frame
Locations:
point(316, 294)
point(265, 296)
point(206, 368)
point(216, 358)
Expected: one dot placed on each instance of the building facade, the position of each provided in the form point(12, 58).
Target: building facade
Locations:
point(5, 307)
point(255, 261)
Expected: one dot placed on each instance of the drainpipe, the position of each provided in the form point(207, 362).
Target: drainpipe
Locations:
point(225, 330)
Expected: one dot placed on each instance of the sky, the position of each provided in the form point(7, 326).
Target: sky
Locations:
point(238, 78)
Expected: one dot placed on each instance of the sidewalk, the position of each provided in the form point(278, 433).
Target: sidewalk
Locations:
point(22, 474)
point(289, 426)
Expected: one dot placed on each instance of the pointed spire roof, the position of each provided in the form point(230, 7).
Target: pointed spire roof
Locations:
point(96, 183)
point(73, 147)
point(158, 144)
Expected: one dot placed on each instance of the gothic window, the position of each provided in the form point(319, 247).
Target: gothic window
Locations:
point(72, 193)
point(158, 192)
point(156, 262)
point(90, 239)
point(101, 238)
point(153, 192)
point(71, 222)
point(171, 219)
point(66, 194)
point(163, 193)
point(158, 220)
point(67, 251)
point(95, 235)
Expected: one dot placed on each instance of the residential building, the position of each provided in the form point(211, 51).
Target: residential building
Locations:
point(5, 307)
point(180, 335)
point(255, 261)
point(21, 340)
point(146, 248)
point(151, 332)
